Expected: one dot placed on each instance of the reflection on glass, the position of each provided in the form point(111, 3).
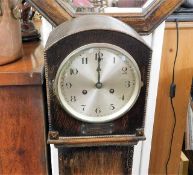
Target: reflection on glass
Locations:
point(130, 3)
point(89, 5)
point(101, 6)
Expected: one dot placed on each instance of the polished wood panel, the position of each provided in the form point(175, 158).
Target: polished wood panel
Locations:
point(23, 148)
point(144, 22)
point(96, 161)
point(164, 119)
point(98, 140)
point(22, 128)
point(27, 70)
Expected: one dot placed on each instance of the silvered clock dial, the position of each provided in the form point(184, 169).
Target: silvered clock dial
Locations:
point(98, 82)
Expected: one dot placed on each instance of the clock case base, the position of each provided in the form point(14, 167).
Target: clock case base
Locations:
point(95, 160)
point(63, 128)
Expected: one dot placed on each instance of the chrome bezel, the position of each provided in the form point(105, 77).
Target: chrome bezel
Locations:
point(106, 118)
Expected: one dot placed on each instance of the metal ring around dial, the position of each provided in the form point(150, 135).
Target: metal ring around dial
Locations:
point(102, 119)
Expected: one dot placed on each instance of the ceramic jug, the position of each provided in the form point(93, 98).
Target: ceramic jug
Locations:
point(10, 33)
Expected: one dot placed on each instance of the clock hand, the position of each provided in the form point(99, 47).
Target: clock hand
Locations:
point(99, 84)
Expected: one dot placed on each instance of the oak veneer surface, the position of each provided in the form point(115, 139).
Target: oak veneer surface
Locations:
point(164, 119)
point(22, 127)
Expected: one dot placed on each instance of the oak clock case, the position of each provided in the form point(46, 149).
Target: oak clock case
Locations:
point(97, 72)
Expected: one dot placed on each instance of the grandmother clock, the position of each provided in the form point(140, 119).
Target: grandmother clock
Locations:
point(96, 136)
point(97, 72)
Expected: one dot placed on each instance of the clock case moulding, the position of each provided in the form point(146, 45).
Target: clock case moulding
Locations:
point(68, 131)
point(144, 22)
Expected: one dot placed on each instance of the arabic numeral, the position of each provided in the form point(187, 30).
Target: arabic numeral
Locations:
point(127, 84)
point(98, 55)
point(124, 70)
point(62, 84)
point(98, 110)
point(68, 85)
point(112, 106)
point(83, 107)
point(73, 99)
point(73, 71)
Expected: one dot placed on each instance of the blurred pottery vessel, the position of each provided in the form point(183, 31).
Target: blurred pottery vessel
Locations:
point(10, 33)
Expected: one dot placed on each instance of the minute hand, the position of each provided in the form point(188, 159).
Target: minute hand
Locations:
point(99, 84)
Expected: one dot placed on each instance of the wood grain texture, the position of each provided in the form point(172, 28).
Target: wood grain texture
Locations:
point(96, 161)
point(144, 22)
point(184, 162)
point(51, 11)
point(164, 119)
point(22, 128)
point(99, 141)
point(147, 22)
point(25, 71)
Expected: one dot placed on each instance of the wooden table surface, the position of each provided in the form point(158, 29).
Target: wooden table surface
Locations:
point(26, 71)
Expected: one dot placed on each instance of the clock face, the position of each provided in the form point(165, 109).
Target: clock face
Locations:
point(98, 82)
